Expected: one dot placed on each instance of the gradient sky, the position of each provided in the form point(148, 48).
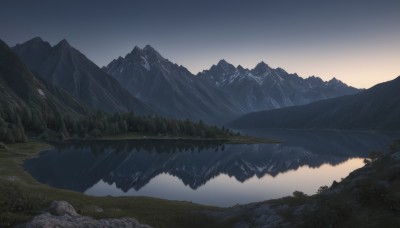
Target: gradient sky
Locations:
point(357, 41)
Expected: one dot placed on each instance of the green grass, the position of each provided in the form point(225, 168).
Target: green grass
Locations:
point(22, 197)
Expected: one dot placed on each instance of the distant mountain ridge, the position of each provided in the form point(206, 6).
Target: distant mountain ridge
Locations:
point(265, 88)
point(147, 83)
point(374, 108)
point(67, 68)
point(219, 94)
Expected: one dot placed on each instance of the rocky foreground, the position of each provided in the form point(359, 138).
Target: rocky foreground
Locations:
point(62, 214)
point(368, 197)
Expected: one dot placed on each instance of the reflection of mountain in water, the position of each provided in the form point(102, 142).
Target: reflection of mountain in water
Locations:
point(132, 164)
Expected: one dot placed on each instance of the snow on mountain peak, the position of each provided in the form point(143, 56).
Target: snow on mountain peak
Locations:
point(145, 63)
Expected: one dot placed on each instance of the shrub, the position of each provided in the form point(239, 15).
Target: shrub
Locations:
point(299, 194)
point(322, 189)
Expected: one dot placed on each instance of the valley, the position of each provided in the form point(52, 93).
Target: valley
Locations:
point(242, 114)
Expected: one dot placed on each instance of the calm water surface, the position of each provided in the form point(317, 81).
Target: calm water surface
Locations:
point(211, 173)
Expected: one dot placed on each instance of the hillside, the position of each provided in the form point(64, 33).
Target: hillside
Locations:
point(27, 101)
point(375, 108)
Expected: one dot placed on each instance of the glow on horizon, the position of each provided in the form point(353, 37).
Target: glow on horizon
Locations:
point(354, 41)
point(360, 66)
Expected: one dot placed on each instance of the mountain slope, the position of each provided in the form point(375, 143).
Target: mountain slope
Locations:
point(19, 87)
point(70, 70)
point(375, 108)
point(264, 88)
point(171, 88)
point(27, 103)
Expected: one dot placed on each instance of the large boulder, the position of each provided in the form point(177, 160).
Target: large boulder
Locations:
point(60, 208)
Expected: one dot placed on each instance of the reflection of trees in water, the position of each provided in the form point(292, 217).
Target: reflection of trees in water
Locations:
point(149, 145)
point(131, 164)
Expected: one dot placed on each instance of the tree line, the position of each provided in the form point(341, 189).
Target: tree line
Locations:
point(18, 123)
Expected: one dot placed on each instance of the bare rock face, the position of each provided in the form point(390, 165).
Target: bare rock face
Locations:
point(62, 214)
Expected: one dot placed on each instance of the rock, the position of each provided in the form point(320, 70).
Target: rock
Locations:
point(62, 214)
point(61, 208)
point(98, 209)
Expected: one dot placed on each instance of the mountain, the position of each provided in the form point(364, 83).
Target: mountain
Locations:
point(28, 102)
point(67, 68)
point(20, 88)
point(375, 108)
point(171, 88)
point(217, 95)
point(264, 88)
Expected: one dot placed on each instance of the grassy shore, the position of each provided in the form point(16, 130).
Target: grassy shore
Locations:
point(228, 140)
point(22, 197)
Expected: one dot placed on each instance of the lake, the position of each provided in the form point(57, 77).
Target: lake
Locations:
point(208, 172)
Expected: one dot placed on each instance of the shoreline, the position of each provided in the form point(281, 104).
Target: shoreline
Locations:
point(147, 210)
point(32, 197)
point(227, 140)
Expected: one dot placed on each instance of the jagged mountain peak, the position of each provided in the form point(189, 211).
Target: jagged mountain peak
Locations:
point(262, 64)
point(261, 68)
point(334, 79)
point(63, 43)
point(335, 82)
point(147, 54)
point(314, 79)
point(137, 49)
point(224, 66)
point(240, 68)
point(36, 39)
point(148, 47)
point(222, 62)
point(36, 42)
point(152, 53)
point(135, 53)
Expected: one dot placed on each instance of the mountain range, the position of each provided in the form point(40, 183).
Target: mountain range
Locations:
point(374, 108)
point(265, 88)
point(70, 70)
point(147, 83)
point(219, 94)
